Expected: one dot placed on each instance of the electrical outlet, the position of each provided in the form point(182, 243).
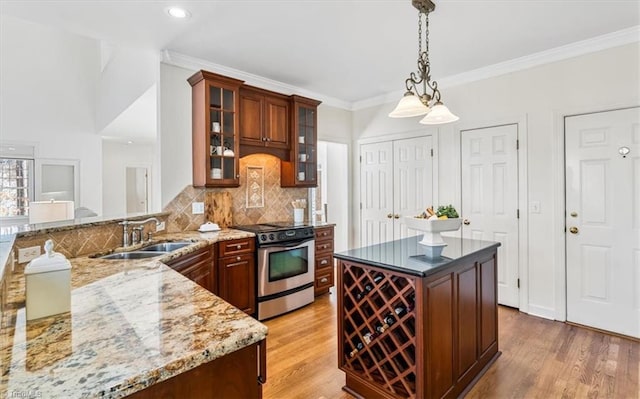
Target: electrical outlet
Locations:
point(160, 226)
point(27, 254)
point(197, 208)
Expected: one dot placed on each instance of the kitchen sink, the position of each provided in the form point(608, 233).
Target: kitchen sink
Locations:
point(132, 255)
point(165, 246)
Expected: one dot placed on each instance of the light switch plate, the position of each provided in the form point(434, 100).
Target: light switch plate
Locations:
point(534, 206)
point(27, 254)
point(197, 208)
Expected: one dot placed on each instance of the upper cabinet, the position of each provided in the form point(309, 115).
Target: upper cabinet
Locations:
point(231, 120)
point(264, 122)
point(216, 147)
point(301, 169)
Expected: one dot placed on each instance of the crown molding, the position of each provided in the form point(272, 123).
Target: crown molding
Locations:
point(193, 63)
point(610, 40)
point(603, 42)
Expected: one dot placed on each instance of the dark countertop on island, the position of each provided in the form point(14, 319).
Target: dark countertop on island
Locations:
point(407, 255)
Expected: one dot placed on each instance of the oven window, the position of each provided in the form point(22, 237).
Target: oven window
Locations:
point(289, 263)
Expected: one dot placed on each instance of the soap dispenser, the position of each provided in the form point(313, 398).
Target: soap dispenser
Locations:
point(48, 284)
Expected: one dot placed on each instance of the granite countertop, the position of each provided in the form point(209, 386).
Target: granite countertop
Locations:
point(132, 324)
point(407, 255)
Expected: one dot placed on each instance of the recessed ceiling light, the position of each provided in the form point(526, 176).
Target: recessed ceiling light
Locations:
point(178, 12)
point(129, 142)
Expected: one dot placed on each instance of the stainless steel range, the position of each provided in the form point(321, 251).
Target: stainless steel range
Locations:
point(285, 266)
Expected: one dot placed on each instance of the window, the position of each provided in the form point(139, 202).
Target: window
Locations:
point(16, 187)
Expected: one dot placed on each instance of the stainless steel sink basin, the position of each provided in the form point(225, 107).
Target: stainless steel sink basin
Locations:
point(132, 255)
point(165, 246)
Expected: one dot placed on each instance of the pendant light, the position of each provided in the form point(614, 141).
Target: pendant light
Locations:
point(416, 102)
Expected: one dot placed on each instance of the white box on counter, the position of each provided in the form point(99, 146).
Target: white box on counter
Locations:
point(48, 284)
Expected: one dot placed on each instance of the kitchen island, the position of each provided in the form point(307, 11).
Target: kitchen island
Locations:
point(136, 327)
point(414, 327)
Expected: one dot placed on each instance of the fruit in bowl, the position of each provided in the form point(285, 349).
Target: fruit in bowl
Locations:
point(432, 223)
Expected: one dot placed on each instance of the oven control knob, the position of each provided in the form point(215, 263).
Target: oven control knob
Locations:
point(271, 236)
point(281, 236)
point(263, 237)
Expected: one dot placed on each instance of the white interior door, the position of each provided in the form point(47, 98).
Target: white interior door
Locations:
point(136, 187)
point(376, 193)
point(603, 220)
point(412, 181)
point(490, 199)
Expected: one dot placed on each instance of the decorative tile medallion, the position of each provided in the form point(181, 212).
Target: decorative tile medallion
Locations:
point(255, 187)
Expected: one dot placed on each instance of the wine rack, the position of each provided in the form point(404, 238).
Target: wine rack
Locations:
point(379, 328)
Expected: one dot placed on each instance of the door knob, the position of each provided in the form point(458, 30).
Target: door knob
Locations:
point(389, 215)
point(396, 216)
point(466, 222)
point(573, 230)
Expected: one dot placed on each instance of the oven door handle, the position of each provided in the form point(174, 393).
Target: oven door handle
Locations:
point(285, 246)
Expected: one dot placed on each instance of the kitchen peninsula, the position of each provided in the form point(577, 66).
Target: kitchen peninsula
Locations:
point(136, 327)
point(415, 327)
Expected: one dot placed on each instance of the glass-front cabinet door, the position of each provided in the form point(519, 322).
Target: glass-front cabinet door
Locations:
point(301, 171)
point(216, 149)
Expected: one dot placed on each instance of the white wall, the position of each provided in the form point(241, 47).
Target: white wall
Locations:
point(48, 79)
point(537, 99)
point(116, 157)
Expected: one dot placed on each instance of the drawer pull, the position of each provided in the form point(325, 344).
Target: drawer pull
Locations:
point(238, 258)
point(239, 246)
point(324, 262)
point(324, 280)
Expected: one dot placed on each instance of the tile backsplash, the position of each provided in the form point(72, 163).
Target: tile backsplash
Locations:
point(277, 200)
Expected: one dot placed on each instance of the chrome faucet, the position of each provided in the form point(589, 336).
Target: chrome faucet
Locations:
point(136, 236)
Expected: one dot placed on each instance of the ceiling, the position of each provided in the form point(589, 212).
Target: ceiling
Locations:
point(349, 50)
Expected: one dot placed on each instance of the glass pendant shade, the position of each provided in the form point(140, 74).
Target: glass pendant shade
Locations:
point(410, 105)
point(439, 114)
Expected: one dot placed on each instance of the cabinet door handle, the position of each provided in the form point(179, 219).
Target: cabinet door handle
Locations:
point(262, 364)
point(324, 262)
point(324, 280)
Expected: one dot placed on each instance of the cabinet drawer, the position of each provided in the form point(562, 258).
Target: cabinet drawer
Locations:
point(324, 281)
point(324, 246)
point(185, 262)
point(324, 261)
point(324, 233)
point(235, 247)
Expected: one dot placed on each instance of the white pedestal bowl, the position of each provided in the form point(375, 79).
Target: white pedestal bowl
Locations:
point(432, 239)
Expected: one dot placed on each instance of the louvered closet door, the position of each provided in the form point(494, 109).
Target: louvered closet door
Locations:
point(603, 220)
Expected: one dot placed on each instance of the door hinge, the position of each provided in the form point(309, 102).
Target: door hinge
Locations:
point(518, 283)
point(360, 158)
point(361, 205)
point(517, 144)
point(518, 213)
point(432, 152)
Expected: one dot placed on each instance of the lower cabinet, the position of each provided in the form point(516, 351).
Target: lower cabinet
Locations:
point(238, 375)
point(237, 273)
point(198, 266)
point(324, 260)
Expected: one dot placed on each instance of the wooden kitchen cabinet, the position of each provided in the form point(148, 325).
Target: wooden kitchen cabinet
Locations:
point(324, 274)
point(264, 122)
point(237, 273)
point(199, 267)
point(401, 335)
point(301, 169)
point(216, 149)
point(238, 375)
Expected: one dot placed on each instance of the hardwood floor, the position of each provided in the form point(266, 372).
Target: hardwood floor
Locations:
point(540, 359)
